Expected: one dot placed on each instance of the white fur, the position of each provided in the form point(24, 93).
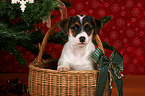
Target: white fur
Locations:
point(81, 18)
point(76, 56)
point(84, 34)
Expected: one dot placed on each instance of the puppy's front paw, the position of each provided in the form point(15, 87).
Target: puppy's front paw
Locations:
point(63, 68)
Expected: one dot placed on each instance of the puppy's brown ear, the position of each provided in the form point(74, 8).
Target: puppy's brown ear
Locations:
point(64, 24)
point(98, 25)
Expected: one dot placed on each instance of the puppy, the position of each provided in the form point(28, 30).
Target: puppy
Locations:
point(76, 52)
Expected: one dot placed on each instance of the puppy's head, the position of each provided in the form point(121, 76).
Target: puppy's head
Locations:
point(80, 28)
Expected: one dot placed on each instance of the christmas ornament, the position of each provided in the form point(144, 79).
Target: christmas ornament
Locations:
point(22, 2)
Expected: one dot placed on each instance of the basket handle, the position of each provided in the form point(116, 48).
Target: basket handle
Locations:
point(41, 51)
point(63, 12)
point(99, 42)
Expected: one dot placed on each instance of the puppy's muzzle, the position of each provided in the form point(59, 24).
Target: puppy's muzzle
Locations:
point(82, 39)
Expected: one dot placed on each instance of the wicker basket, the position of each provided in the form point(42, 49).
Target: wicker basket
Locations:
point(48, 82)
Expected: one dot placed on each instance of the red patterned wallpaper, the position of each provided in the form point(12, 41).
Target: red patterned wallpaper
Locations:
point(125, 32)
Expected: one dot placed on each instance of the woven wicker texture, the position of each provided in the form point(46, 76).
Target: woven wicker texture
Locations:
point(47, 82)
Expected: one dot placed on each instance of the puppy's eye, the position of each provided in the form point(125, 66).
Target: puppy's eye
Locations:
point(88, 28)
point(75, 27)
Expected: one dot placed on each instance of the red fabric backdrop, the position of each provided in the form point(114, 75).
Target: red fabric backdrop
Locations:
point(125, 32)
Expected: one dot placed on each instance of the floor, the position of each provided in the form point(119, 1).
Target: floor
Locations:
point(132, 85)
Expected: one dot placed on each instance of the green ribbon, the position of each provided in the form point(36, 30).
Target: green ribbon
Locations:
point(113, 65)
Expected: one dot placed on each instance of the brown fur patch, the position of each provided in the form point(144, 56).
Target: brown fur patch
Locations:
point(87, 23)
point(92, 32)
point(70, 32)
point(77, 23)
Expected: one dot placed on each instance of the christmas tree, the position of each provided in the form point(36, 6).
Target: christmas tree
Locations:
point(16, 26)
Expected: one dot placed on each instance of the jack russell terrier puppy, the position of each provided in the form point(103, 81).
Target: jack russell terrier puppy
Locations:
point(76, 52)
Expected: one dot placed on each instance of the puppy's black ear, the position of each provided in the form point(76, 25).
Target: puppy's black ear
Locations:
point(98, 25)
point(64, 24)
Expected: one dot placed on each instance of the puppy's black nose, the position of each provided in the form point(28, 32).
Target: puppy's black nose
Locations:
point(82, 39)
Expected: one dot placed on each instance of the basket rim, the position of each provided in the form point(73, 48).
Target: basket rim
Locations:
point(56, 71)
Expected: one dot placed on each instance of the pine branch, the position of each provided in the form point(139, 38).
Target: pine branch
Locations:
point(10, 34)
point(58, 38)
point(11, 48)
point(16, 34)
point(67, 4)
point(106, 19)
